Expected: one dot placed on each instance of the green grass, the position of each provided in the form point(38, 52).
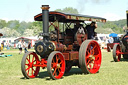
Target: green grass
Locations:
point(110, 73)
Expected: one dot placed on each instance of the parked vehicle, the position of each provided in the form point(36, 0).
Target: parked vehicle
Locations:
point(122, 47)
point(116, 40)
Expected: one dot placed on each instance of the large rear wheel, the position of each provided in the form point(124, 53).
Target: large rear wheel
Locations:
point(90, 56)
point(28, 65)
point(56, 65)
point(116, 53)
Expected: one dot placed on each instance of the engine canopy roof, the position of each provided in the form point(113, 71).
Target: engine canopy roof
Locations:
point(66, 17)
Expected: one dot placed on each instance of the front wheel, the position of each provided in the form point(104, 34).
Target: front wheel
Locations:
point(90, 56)
point(116, 53)
point(56, 65)
point(28, 65)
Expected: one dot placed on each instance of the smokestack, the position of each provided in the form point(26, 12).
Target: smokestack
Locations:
point(45, 20)
point(127, 18)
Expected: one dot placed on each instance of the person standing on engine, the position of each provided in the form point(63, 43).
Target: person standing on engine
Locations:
point(91, 30)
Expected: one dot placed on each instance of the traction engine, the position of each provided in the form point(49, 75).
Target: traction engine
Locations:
point(59, 51)
point(122, 47)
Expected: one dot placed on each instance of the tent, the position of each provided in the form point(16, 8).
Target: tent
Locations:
point(26, 39)
point(113, 35)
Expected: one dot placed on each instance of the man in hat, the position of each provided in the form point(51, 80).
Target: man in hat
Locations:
point(91, 30)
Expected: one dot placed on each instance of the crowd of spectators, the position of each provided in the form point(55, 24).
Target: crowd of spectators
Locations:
point(22, 45)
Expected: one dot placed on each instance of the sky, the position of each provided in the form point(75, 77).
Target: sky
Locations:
point(25, 10)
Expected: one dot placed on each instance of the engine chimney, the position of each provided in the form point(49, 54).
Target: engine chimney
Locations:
point(45, 20)
point(127, 18)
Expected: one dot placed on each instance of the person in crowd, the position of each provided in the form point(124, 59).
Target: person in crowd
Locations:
point(107, 40)
point(20, 46)
point(24, 46)
point(91, 30)
point(7, 45)
point(29, 45)
point(2, 44)
point(111, 40)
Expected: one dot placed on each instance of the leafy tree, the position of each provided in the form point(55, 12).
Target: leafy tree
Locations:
point(10, 32)
point(2, 23)
point(13, 24)
point(28, 32)
point(22, 27)
point(38, 25)
point(116, 26)
point(36, 30)
point(14, 33)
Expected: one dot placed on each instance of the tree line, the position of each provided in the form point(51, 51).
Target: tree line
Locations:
point(15, 28)
point(112, 27)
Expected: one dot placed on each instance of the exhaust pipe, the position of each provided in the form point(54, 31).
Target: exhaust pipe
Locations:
point(45, 20)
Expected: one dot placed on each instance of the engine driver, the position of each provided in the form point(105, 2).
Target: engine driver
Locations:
point(90, 30)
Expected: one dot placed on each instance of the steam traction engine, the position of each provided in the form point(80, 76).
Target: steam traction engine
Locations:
point(122, 47)
point(59, 51)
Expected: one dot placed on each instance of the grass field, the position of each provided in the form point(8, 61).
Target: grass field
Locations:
point(110, 73)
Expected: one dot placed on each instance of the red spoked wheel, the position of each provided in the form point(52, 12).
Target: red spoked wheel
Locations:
point(28, 65)
point(56, 65)
point(90, 56)
point(116, 53)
